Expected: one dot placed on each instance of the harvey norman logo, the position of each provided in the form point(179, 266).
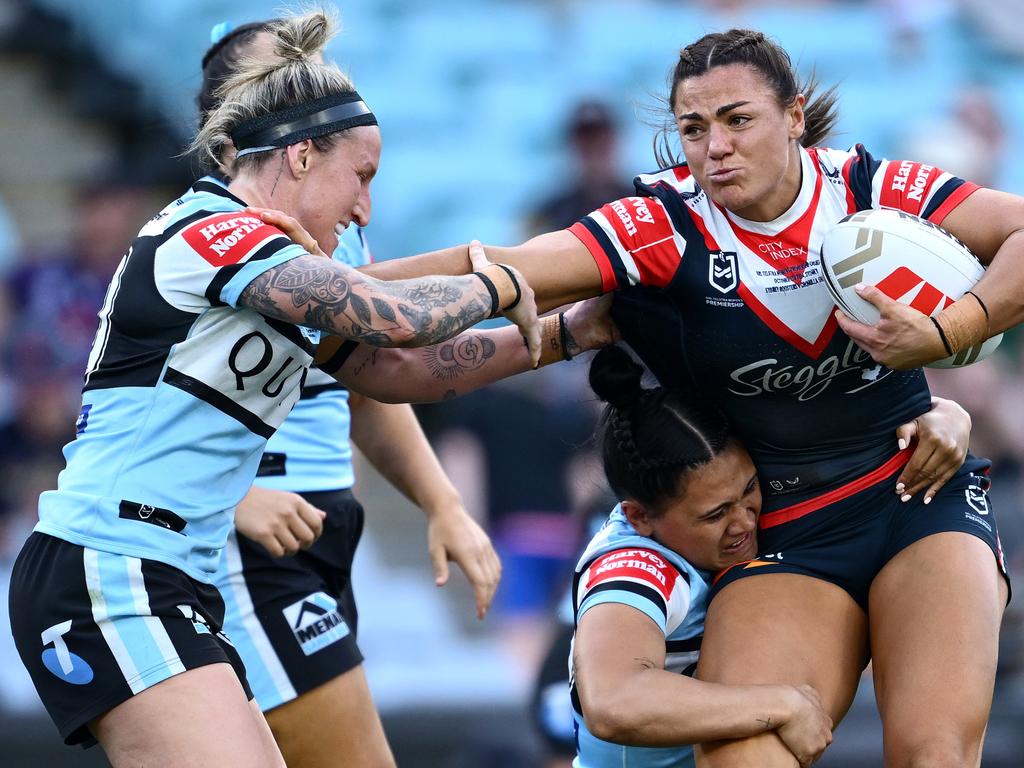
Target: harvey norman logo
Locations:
point(315, 622)
point(227, 238)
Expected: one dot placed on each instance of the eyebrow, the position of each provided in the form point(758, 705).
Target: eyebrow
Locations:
point(718, 112)
point(746, 489)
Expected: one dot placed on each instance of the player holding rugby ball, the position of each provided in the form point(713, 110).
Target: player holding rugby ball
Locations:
point(717, 260)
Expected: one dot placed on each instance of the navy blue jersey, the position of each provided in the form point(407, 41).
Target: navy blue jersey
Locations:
point(738, 309)
point(182, 390)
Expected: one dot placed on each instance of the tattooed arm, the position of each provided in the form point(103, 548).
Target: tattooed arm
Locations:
point(320, 293)
point(467, 362)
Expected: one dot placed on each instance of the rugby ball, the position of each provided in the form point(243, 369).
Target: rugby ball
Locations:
point(910, 260)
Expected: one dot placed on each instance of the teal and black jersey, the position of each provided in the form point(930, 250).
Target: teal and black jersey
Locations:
point(621, 566)
point(311, 451)
point(182, 389)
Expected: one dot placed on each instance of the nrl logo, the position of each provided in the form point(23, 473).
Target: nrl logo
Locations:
point(722, 270)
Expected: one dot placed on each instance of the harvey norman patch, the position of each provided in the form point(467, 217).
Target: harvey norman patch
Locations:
point(228, 238)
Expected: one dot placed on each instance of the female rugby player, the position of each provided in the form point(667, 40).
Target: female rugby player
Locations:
point(311, 685)
point(717, 262)
point(209, 326)
point(689, 505)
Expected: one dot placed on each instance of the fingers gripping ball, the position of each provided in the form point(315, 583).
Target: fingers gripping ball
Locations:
point(910, 260)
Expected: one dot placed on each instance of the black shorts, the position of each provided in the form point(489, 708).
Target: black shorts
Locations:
point(847, 536)
point(293, 619)
point(95, 628)
point(550, 702)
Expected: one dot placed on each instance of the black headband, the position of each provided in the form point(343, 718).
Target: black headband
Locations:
point(303, 121)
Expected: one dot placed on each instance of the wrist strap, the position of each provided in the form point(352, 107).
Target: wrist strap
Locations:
point(988, 317)
point(964, 323)
point(942, 335)
point(515, 284)
point(563, 335)
point(489, 285)
point(552, 335)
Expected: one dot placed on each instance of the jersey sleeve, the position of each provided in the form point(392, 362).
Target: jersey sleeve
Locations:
point(640, 578)
point(210, 261)
point(916, 188)
point(633, 241)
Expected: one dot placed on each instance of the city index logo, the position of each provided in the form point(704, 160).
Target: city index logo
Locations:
point(315, 622)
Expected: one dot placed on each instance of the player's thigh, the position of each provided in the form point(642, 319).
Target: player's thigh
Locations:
point(334, 724)
point(197, 718)
point(935, 609)
point(781, 628)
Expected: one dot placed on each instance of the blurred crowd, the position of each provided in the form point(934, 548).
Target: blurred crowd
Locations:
point(521, 452)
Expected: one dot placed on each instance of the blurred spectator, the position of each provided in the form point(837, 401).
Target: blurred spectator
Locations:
point(998, 23)
point(592, 136)
point(522, 443)
point(55, 296)
point(968, 138)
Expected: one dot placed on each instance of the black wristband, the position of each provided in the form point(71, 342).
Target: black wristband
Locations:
point(981, 303)
point(942, 335)
point(491, 290)
point(515, 282)
point(563, 336)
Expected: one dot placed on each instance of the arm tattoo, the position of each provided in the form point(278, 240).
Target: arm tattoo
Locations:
point(466, 352)
point(318, 293)
point(766, 723)
point(572, 347)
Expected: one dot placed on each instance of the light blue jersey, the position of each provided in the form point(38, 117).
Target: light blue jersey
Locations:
point(621, 566)
point(311, 451)
point(182, 388)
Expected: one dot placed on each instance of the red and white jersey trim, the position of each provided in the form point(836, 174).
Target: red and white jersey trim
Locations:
point(639, 566)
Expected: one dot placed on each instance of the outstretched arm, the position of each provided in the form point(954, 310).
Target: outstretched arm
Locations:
point(321, 293)
point(472, 359)
point(557, 265)
point(391, 439)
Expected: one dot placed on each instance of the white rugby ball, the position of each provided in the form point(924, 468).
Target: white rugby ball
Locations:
point(910, 260)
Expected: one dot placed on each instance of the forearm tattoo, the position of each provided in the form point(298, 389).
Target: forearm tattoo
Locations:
point(572, 347)
point(466, 352)
point(322, 294)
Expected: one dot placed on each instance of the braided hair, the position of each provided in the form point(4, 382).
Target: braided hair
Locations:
point(652, 437)
point(753, 48)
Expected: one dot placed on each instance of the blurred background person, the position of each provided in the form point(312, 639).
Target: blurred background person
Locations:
point(592, 138)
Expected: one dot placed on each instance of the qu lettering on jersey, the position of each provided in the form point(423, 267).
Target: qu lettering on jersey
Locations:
point(228, 238)
point(641, 565)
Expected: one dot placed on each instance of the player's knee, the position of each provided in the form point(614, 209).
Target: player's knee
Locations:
point(939, 753)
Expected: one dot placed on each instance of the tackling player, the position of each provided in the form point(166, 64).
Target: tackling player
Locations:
point(717, 263)
point(690, 499)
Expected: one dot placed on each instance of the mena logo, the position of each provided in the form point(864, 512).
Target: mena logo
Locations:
point(68, 666)
point(315, 622)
